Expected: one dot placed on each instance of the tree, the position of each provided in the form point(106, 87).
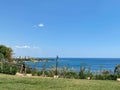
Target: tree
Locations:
point(1, 57)
point(6, 52)
point(117, 69)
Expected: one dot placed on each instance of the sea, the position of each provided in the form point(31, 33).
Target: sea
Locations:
point(94, 64)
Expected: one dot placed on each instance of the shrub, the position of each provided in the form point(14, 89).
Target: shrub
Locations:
point(8, 68)
point(104, 77)
point(117, 69)
point(34, 72)
point(52, 71)
point(71, 74)
point(46, 73)
point(98, 77)
point(28, 69)
point(13, 70)
point(39, 73)
point(82, 74)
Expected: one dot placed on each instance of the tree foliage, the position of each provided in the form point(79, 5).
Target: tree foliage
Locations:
point(6, 52)
point(117, 69)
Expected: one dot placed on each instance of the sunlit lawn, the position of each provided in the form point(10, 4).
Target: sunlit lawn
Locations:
point(8, 82)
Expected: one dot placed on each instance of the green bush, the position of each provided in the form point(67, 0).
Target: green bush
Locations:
point(39, 73)
point(51, 73)
point(46, 73)
point(13, 70)
point(34, 72)
point(105, 77)
point(111, 77)
point(98, 77)
point(82, 73)
point(28, 69)
point(71, 74)
point(8, 68)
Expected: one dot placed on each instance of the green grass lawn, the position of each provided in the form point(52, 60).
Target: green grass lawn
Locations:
point(8, 82)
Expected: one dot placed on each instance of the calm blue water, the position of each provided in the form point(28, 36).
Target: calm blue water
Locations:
point(74, 63)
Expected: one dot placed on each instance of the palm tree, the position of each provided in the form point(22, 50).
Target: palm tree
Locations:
point(6, 52)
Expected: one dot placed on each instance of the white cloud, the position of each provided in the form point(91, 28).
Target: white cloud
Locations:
point(26, 47)
point(41, 25)
point(36, 47)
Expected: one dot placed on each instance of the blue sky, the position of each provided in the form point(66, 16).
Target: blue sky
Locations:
point(68, 28)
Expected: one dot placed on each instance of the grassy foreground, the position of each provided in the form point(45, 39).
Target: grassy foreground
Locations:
point(8, 82)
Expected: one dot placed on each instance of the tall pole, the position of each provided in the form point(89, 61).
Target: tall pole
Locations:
point(57, 65)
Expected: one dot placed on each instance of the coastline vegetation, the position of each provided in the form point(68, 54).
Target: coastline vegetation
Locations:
point(11, 66)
